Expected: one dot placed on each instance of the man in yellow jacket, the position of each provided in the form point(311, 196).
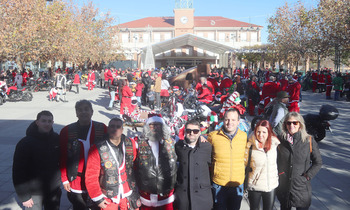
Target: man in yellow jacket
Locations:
point(228, 162)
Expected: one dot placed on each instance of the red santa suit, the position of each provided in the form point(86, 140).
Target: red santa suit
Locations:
point(237, 72)
point(205, 96)
point(314, 81)
point(294, 91)
point(199, 87)
point(328, 85)
point(246, 73)
point(284, 84)
point(108, 76)
point(213, 82)
point(91, 80)
point(24, 76)
point(267, 75)
point(53, 93)
point(251, 104)
point(69, 141)
point(126, 100)
point(104, 161)
point(269, 91)
point(226, 83)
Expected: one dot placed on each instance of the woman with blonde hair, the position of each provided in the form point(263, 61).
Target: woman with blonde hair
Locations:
point(299, 160)
point(261, 150)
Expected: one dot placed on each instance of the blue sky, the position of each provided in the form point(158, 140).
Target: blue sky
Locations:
point(253, 11)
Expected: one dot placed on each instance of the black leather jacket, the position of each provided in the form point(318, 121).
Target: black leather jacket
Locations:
point(154, 179)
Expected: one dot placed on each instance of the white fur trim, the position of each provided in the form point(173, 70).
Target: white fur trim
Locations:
point(155, 119)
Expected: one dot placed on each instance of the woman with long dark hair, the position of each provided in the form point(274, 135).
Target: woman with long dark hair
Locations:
point(299, 160)
point(261, 149)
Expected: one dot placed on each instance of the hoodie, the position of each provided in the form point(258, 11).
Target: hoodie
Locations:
point(35, 168)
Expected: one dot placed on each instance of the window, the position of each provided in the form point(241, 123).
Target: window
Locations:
point(233, 37)
point(125, 38)
point(221, 37)
point(200, 34)
point(209, 53)
point(167, 36)
point(254, 36)
point(199, 52)
point(211, 36)
point(167, 53)
point(178, 52)
point(190, 51)
point(136, 38)
point(243, 36)
point(145, 37)
point(156, 37)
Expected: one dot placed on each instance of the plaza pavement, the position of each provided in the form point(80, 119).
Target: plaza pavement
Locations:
point(330, 186)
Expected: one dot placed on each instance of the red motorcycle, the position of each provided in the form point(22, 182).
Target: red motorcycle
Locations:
point(14, 94)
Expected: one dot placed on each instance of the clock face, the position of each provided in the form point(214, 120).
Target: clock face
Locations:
point(184, 19)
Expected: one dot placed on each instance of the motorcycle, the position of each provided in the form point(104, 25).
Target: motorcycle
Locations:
point(3, 88)
point(14, 94)
point(42, 84)
point(318, 124)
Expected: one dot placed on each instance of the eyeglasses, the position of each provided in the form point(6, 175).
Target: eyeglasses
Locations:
point(293, 122)
point(189, 131)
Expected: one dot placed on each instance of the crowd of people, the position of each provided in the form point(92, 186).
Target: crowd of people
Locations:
point(101, 168)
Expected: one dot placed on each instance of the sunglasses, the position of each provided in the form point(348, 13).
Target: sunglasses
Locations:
point(195, 131)
point(293, 122)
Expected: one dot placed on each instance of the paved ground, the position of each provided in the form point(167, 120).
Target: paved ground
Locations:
point(330, 187)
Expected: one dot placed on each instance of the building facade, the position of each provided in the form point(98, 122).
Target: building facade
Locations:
point(136, 35)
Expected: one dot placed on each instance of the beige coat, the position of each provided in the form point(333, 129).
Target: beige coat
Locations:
point(264, 174)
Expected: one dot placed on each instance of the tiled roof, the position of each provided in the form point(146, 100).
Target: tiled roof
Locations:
point(199, 21)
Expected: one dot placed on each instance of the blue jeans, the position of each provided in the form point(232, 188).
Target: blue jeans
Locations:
point(336, 95)
point(112, 98)
point(138, 100)
point(227, 197)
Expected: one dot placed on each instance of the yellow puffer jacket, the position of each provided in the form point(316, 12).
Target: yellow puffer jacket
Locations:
point(228, 158)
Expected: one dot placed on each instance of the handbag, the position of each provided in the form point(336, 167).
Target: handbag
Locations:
point(248, 169)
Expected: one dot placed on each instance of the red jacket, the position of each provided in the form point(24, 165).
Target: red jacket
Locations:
point(109, 75)
point(226, 83)
point(138, 88)
point(76, 79)
point(328, 80)
point(246, 73)
point(94, 169)
point(294, 92)
point(77, 184)
point(284, 84)
point(321, 79)
point(206, 96)
point(91, 77)
point(270, 89)
point(199, 87)
point(314, 76)
point(213, 82)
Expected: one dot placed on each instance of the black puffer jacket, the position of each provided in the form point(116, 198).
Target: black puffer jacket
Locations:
point(293, 162)
point(35, 164)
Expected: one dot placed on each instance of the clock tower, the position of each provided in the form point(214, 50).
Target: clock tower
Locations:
point(183, 17)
